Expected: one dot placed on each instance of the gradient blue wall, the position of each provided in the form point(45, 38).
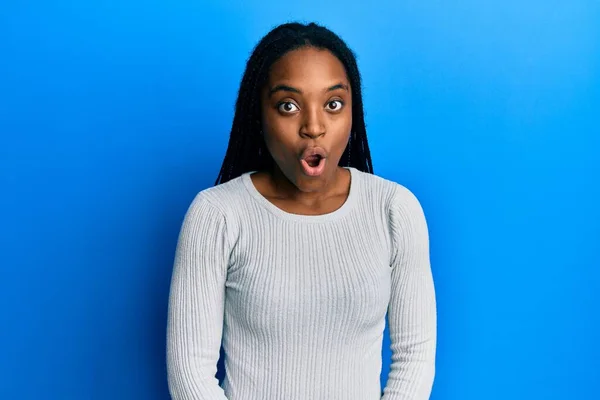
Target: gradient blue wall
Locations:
point(114, 114)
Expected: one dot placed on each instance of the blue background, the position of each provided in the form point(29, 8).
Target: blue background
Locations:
point(114, 114)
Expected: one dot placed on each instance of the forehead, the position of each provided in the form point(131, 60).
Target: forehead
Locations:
point(308, 66)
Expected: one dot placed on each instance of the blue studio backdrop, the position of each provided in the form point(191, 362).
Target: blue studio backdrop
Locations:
point(114, 114)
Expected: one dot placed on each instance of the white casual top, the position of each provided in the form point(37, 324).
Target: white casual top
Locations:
point(298, 302)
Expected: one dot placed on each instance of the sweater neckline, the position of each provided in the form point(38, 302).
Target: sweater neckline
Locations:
point(278, 212)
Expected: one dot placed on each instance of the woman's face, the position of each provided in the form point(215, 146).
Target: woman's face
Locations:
point(307, 116)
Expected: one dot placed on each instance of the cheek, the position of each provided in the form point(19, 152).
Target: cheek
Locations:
point(281, 144)
point(343, 128)
point(281, 134)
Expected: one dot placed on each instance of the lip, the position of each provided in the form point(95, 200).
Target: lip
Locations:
point(312, 151)
point(315, 171)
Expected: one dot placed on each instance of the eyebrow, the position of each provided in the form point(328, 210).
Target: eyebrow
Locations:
point(286, 88)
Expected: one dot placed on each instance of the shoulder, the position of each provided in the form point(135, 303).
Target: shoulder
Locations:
point(395, 197)
point(214, 211)
point(223, 197)
point(405, 217)
point(220, 201)
point(401, 210)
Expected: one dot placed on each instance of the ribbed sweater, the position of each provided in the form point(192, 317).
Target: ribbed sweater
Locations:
point(299, 302)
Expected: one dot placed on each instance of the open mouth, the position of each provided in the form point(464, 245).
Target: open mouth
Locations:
point(313, 160)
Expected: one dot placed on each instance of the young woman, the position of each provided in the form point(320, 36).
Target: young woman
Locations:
point(293, 259)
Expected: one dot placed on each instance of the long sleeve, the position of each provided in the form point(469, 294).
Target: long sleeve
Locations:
point(196, 304)
point(412, 311)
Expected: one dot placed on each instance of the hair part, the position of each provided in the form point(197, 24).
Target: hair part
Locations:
point(247, 150)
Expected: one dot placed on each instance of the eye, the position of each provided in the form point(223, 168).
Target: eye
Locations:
point(287, 107)
point(335, 105)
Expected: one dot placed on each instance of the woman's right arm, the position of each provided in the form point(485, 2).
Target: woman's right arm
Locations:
point(196, 304)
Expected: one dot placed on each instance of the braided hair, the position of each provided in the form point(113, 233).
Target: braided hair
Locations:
point(247, 150)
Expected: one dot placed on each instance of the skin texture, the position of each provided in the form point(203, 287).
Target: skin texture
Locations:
point(306, 102)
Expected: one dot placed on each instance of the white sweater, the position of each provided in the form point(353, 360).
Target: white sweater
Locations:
point(299, 302)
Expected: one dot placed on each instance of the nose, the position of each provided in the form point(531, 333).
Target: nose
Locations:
point(312, 125)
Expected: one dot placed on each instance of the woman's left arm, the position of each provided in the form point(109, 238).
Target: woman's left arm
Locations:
point(412, 314)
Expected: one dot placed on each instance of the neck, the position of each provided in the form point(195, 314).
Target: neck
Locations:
point(317, 190)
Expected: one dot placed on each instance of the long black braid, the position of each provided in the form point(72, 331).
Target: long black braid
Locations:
point(247, 150)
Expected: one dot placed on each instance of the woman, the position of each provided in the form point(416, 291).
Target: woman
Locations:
point(292, 260)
